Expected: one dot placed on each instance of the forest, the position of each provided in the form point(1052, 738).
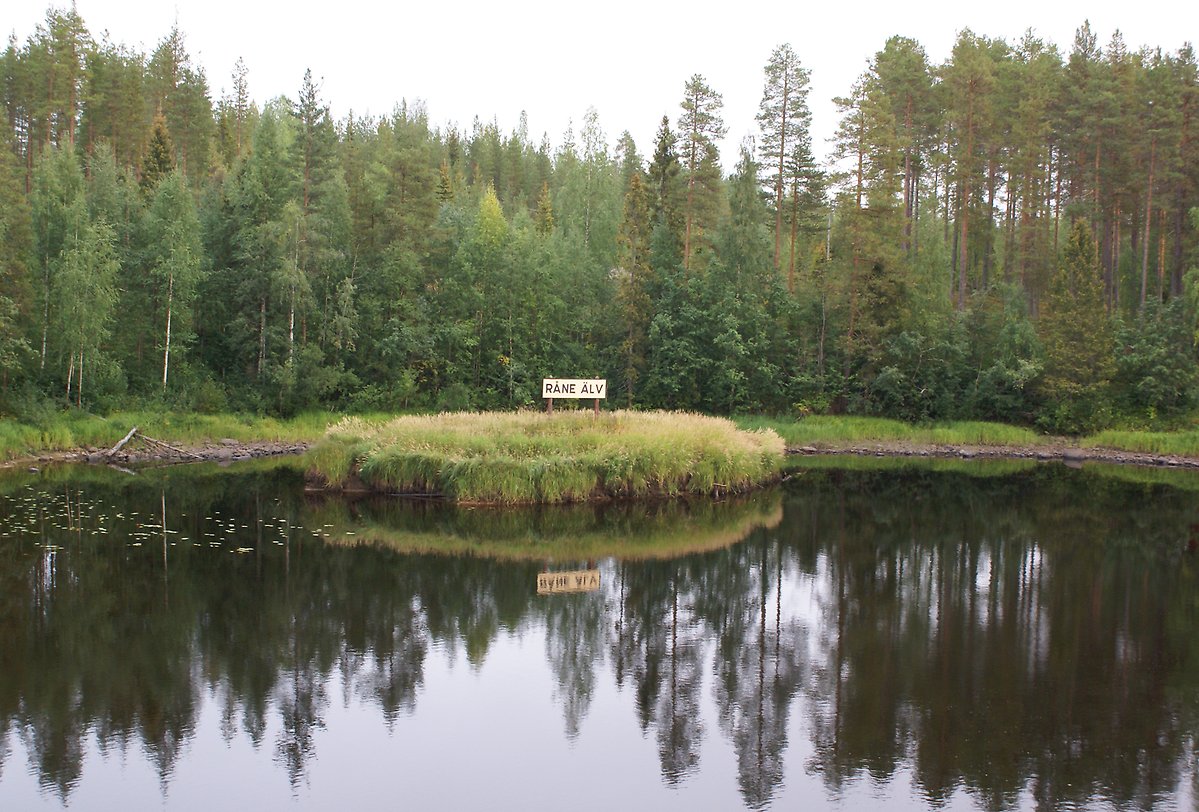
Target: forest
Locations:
point(1009, 235)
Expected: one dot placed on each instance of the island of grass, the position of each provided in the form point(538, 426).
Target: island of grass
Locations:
point(531, 457)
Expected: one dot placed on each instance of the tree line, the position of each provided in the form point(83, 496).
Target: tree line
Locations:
point(1006, 235)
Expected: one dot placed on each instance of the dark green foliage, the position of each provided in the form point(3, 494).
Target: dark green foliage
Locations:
point(1077, 336)
point(382, 263)
point(1156, 371)
point(160, 154)
point(920, 375)
point(1006, 357)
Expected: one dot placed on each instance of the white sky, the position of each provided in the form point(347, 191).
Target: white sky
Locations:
point(554, 59)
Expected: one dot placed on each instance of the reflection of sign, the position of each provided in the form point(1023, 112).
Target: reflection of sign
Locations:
point(550, 583)
point(574, 388)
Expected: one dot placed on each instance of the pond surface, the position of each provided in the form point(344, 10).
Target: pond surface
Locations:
point(960, 636)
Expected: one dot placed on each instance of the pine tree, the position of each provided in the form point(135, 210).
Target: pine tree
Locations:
point(180, 90)
point(906, 80)
point(784, 119)
point(701, 126)
point(970, 79)
point(240, 105)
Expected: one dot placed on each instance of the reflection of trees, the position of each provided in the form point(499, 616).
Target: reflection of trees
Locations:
point(660, 647)
point(1000, 635)
point(1007, 636)
point(574, 644)
point(758, 678)
point(667, 611)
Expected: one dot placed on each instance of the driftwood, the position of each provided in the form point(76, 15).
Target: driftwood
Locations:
point(159, 444)
point(169, 447)
point(116, 448)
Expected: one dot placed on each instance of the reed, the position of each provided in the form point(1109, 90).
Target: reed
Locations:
point(527, 457)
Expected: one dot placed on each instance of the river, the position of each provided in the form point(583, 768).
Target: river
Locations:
point(871, 633)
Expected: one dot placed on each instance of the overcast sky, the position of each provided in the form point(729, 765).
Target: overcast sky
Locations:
point(554, 59)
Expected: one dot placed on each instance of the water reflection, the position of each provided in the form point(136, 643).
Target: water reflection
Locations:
point(1025, 639)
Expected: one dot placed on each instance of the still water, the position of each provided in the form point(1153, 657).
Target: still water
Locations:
point(958, 636)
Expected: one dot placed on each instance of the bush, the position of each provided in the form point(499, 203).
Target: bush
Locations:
point(1155, 362)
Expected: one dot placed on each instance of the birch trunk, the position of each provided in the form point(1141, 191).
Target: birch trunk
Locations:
point(166, 353)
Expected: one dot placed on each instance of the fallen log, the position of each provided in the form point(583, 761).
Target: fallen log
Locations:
point(117, 448)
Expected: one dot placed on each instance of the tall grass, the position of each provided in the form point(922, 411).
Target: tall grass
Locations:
point(523, 457)
point(1180, 443)
point(796, 466)
point(73, 429)
point(819, 430)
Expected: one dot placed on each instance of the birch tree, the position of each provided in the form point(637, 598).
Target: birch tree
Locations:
point(172, 231)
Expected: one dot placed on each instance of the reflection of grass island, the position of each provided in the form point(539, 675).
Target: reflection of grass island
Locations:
point(527, 457)
point(657, 529)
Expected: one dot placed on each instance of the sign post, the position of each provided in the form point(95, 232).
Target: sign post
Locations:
point(575, 388)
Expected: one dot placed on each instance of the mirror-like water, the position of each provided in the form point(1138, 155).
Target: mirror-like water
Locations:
point(966, 636)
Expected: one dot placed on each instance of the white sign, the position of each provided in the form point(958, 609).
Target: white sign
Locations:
point(551, 583)
point(574, 388)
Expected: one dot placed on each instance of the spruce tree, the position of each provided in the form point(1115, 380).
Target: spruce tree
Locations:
point(160, 154)
point(545, 211)
point(633, 292)
point(1077, 335)
point(664, 183)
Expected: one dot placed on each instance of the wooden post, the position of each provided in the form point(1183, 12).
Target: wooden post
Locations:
point(597, 408)
point(549, 405)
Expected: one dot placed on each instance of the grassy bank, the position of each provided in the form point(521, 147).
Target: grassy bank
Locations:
point(833, 432)
point(527, 457)
point(64, 431)
point(840, 432)
point(1169, 443)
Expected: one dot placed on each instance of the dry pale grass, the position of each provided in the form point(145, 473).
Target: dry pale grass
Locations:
point(525, 457)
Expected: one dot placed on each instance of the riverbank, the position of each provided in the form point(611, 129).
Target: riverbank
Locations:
point(1040, 452)
point(879, 436)
point(224, 450)
point(79, 437)
point(74, 437)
